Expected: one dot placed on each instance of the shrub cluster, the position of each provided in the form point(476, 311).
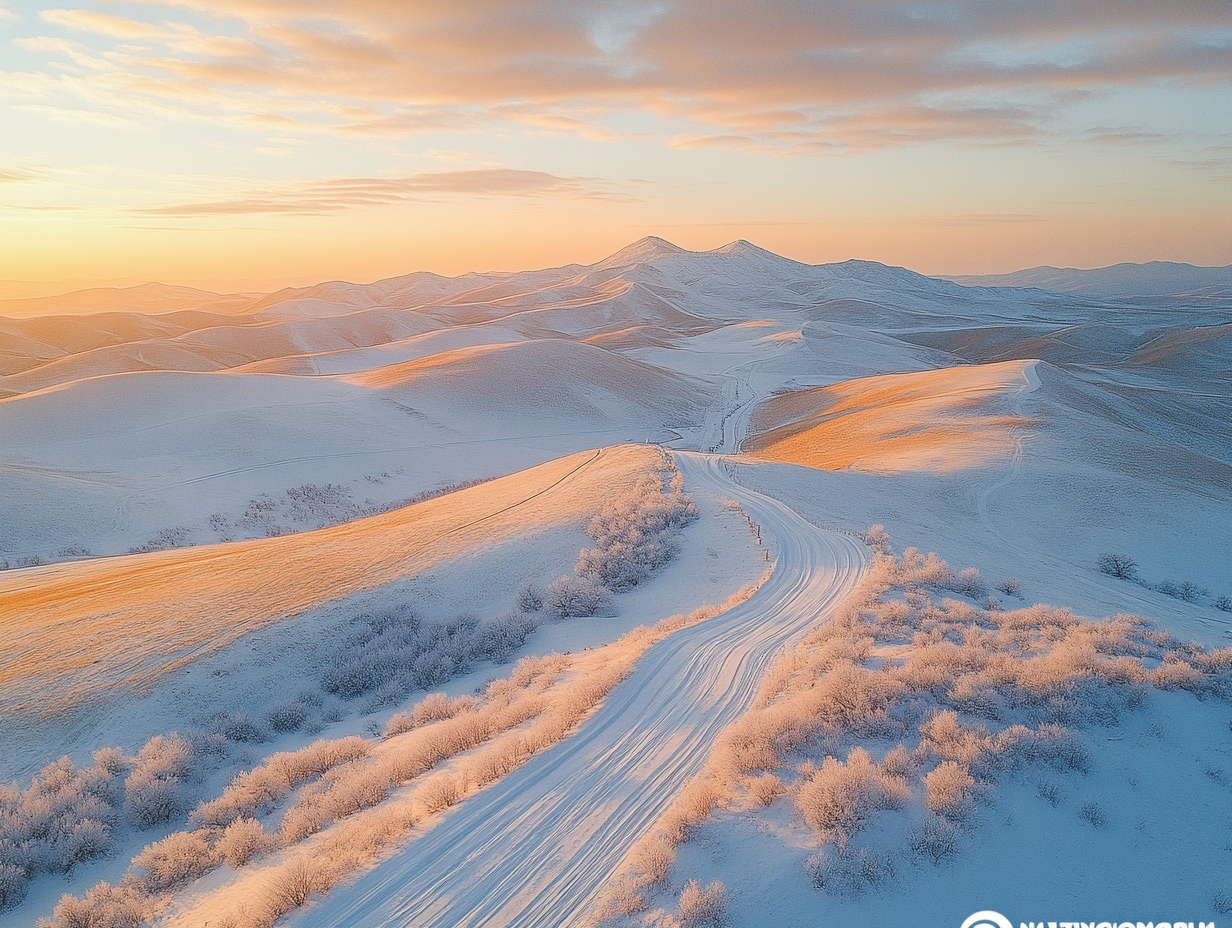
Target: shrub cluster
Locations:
point(395, 652)
point(68, 816)
point(635, 533)
point(1126, 568)
point(703, 908)
point(65, 817)
point(964, 695)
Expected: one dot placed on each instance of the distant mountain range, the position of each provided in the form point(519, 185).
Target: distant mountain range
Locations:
point(1153, 279)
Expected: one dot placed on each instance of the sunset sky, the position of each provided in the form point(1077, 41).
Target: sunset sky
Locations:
point(243, 144)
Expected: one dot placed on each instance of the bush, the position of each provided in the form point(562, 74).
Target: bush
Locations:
point(103, 906)
point(440, 793)
point(839, 798)
point(173, 861)
point(968, 583)
point(64, 818)
point(1223, 603)
point(847, 872)
point(291, 888)
point(434, 707)
point(1093, 814)
point(1117, 565)
point(14, 884)
point(764, 789)
point(288, 716)
point(878, 539)
point(88, 839)
point(653, 857)
point(257, 791)
point(153, 791)
point(635, 534)
point(934, 838)
point(1221, 902)
point(1010, 586)
point(240, 728)
point(242, 840)
point(529, 598)
point(703, 908)
point(566, 597)
point(947, 789)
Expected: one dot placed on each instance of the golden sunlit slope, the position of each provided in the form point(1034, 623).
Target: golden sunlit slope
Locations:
point(566, 380)
point(77, 629)
point(937, 420)
point(61, 349)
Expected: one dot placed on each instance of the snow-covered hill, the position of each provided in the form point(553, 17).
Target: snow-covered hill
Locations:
point(206, 499)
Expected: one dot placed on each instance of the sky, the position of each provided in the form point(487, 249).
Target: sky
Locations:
point(246, 144)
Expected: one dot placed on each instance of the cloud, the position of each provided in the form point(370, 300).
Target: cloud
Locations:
point(18, 176)
point(341, 194)
point(818, 77)
point(101, 24)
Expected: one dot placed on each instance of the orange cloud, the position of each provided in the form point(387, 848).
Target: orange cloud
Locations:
point(806, 78)
point(337, 195)
point(101, 24)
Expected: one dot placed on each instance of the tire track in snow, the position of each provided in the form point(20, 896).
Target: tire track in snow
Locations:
point(535, 848)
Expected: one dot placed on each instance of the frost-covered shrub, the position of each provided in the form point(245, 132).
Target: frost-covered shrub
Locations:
point(1010, 586)
point(1117, 565)
point(968, 583)
point(529, 598)
point(154, 791)
point(635, 534)
point(850, 872)
point(692, 806)
point(257, 791)
point(703, 908)
point(396, 652)
point(242, 840)
point(291, 888)
point(566, 596)
point(653, 856)
point(440, 793)
point(947, 789)
point(1093, 814)
point(432, 708)
point(878, 539)
point(839, 797)
point(926, 569)
point(933, 838)
point(103, 906)
point(178, 858)
point(289, 715)
point(89, 838)
point(239, 727)
point(1221, 902)
point(497, 639)
point(64, 818)
point(763, 790)
point(14, 884)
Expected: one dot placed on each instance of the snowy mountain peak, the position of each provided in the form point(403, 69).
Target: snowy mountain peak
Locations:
point(644, 249)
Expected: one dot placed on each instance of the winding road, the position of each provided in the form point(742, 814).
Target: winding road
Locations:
point(535, 848)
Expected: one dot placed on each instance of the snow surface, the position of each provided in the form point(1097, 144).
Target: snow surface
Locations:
point(202, 423)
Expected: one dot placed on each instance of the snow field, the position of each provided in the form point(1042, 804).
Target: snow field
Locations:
point(618, 527)
point(539, 843)
point(878, 748)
